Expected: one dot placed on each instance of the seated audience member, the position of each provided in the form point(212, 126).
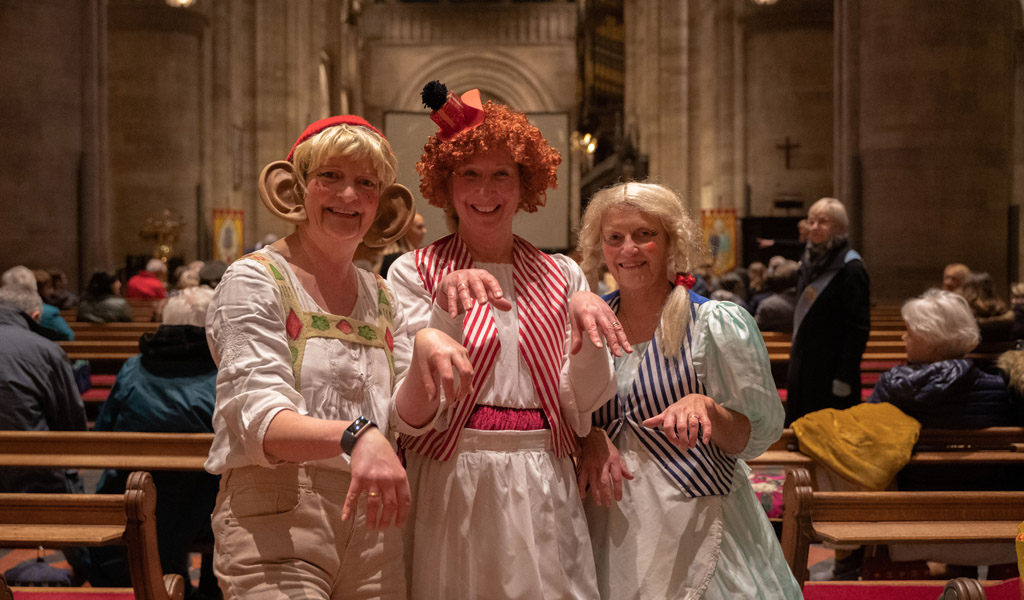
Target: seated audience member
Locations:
point(993, 316)
point(757, 290)
point(51, 325)
point(102, 302)
point(412, 240)
point(1017, 330)
point(940, 388)
point(943, 390)
point(211, 273)
point(775, 313)
point(170, 387)
point(732, 290)
point(61, 296)
point(954, 276)
point(51, 318)
point(38, 393)
point(185, 277)
point(148, 283)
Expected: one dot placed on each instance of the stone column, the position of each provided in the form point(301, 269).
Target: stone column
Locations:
point(156, 111)
point(53, 155)
point(928, 120)
point(657, 101)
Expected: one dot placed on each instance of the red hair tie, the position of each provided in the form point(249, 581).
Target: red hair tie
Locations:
point(685, 279)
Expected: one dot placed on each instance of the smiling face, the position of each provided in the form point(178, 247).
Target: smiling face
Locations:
point(821, 225)
point(341, 201)
point(486, 194)
point(635, 247)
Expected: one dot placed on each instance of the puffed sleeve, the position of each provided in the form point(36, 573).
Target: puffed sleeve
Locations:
point(587, 378)
point(245, 328)
point(731, 360)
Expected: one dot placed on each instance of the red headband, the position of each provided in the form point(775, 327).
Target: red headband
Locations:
point(322, 124)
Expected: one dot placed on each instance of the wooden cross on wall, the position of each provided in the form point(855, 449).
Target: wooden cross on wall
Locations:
point(788, 147)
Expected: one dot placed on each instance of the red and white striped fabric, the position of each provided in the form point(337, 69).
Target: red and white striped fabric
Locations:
point(541, 291)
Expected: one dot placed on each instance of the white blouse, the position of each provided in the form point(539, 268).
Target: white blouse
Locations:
point(245, 327)
point(509, 384)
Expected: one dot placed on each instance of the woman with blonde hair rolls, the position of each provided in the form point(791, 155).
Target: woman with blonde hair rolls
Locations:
point(694, 398)
point(312, 494)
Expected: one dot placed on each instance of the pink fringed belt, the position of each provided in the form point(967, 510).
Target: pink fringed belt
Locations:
point(498, 418)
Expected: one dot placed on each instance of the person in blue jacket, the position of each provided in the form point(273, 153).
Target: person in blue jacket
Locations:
point(940, 387)
point(170, 387)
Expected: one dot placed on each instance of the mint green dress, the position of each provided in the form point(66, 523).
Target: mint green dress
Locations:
point(738, 555)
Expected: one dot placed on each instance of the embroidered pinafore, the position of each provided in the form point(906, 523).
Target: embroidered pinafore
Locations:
point(302, 325)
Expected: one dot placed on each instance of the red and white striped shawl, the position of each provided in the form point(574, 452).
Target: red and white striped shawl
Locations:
point(541, 291)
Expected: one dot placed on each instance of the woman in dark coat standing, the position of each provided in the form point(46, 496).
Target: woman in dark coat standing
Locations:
point(832, 318)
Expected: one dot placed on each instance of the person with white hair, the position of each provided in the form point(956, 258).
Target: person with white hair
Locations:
point(940, 387)
point(149, 282)
point(51, 325)
point(170, 387)
point(832, 318)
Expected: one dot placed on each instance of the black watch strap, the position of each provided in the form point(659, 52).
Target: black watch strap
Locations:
point(352, 433)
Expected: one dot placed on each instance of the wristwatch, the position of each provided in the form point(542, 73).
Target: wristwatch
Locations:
point(352, 433)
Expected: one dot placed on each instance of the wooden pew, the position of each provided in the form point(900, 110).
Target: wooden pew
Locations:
point(873, 518)
point(872, 346)
point(105, 450)
point(63, 520)
point(934, 446)
point(112, 331)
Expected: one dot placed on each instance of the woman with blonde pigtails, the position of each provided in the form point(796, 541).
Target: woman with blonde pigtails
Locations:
point(670, 509)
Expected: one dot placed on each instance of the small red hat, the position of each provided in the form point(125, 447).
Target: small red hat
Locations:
point(453, 114)
point(322, 124)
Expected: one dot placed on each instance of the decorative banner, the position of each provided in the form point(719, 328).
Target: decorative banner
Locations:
point(227, 234)
point(720, 231)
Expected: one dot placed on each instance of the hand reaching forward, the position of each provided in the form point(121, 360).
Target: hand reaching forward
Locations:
point(601, 468)
point(685, 420)
point(436, 359)
point(438, 363)
point(377, 471)
point(458, 289)
point(590, 315)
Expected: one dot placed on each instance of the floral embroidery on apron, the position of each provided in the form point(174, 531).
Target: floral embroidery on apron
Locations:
point(301, 325)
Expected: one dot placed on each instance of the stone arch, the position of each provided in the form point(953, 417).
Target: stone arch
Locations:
point(494, 73)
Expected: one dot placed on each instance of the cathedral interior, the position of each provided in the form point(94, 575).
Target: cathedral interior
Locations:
point(133, 122)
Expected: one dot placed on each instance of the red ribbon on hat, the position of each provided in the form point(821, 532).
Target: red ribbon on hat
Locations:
point(685, 279)
point(329, 122)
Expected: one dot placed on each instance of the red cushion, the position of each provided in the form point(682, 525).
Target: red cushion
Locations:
point(102, 380)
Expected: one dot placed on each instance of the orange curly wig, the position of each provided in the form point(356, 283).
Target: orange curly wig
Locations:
point(502, 128)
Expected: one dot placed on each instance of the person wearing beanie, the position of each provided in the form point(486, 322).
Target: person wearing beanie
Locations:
point(313, 495)
point(496, 513)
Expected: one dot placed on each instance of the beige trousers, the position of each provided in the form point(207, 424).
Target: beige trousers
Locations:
point(279, 535)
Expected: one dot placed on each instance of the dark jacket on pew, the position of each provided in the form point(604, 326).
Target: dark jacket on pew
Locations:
point(953, 394)
point(949, 394)
point(37, 393)
point(170, 387)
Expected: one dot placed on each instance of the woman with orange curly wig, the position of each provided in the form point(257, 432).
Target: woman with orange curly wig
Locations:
point(496, 513)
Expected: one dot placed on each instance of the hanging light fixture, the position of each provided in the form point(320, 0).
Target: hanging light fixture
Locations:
point(180, 3)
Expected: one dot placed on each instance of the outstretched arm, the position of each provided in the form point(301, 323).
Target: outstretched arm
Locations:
point(696, 416)
point(438, 363)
